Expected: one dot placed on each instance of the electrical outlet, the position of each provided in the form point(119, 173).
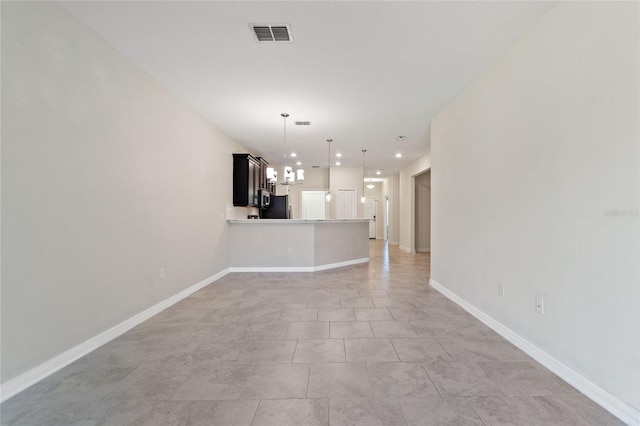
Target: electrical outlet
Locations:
point(540, 305)
point(500, 289)
point(290, 250)
point(162, 273)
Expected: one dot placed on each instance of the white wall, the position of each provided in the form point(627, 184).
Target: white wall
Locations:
point(407, 207)
point(391, 189)
point(423, 212)
point(106, 178)
point(536, 170)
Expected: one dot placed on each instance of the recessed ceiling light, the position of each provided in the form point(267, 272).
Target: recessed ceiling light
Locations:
point(299, 163)
point(398, 155)
point(371, 185)
point(293, 154)
point(337, 163)
point(338, 155)
point(378, 172)
point(401, 138)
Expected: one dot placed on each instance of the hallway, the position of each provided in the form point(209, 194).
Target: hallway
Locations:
point(369, 344)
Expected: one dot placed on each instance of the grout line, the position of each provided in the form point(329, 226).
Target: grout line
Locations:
point(245, 383)
point(117, 384)
point(445, 349)
point(390, 313)
point(430, 379)
point(476, 413)
point(253, 419)
point(415, 331)
point(295, 348)
point(396, 351)
point(344, 346)
point(308, 380)
point(401, 409)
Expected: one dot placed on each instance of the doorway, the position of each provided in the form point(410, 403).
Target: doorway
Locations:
point(313, 205)
point(346, 204)
point(386, 218)
point(370, 212)
point(423, 212)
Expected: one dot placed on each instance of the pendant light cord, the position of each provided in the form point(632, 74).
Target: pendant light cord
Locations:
point(329, 161)
point(364, 153)
point(328, 196)
point(284, 116)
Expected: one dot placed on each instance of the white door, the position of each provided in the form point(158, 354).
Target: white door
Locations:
point(386, 218)
point(313, 205)
point(370, 208)
point(346, 204)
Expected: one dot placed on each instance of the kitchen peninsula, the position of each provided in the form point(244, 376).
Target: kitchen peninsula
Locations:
point(294, 245)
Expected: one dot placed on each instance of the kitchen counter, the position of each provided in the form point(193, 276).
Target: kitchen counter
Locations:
point(296, 245)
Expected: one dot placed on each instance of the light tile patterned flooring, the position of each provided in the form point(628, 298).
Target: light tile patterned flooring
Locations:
point(369, 344)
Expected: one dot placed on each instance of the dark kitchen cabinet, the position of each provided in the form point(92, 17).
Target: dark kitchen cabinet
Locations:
point(262, 175)
point(263, 182)
point(246, 180)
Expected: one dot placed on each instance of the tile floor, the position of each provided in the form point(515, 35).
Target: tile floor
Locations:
point(369, 344)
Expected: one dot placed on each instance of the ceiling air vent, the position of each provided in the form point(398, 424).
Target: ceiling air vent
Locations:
point(280, 32)
point(303, 123)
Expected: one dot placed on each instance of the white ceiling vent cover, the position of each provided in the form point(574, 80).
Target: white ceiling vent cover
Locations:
point(272, 32)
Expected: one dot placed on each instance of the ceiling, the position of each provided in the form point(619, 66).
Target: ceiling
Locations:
point(363, 73)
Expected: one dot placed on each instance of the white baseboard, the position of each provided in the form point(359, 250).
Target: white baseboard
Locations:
point(407, 249)
point(594, 392)
point(340, 264)
point(423, 250)
point(23, 381)
point(298, 268)
point(271, 269)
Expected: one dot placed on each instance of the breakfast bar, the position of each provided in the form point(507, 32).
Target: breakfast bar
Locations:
point(295, 245)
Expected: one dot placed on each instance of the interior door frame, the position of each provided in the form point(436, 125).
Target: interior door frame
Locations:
point(324, 192)
point(355, 201)
point(375, 215)
point(386, 218)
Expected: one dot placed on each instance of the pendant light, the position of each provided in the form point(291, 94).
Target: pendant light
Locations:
point(289, 175)
point(364, 153)
point(288, 171)
point(328, 196)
